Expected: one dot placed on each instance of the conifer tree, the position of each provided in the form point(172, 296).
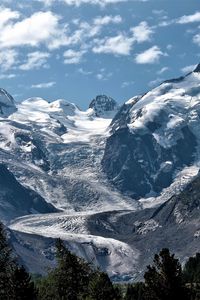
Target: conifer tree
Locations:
point(69, 280)
point(23, 289)
point(100, 287)
point(135, 291)
point(192, 269)
point(15, 282)
point(7, 266)
point(164, 279)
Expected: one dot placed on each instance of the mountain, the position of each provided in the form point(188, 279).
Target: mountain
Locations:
point(17, 200)
point(124, 181)
point(56, 150)
point(103, 106)
point(122, 242)
point(154, 137)
point(7, 105)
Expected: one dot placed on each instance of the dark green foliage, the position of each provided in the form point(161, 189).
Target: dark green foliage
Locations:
point(100, 287)
point(15, 282)
point(192, 269)
point(135, 291)
point(191, 273)
point(7, 266)
point(75, 279)
point(164, 279)
point(23, 288)
point(74, 271)
point(118, 292)
point(69, 280)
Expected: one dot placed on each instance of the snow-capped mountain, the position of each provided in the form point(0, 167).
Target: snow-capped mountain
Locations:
point(56, 149)
point(7, 105)
point(113, 173)
point(155, 137)
point(103, 106)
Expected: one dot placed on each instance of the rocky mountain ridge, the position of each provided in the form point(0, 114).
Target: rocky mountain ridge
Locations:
point(111, 174)
point(148, 146)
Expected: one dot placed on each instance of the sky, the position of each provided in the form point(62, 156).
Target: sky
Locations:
point(77, 49)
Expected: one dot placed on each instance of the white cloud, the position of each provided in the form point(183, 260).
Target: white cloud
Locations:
point(72, 56)
point(35, 60)
point(122, 43)
point(142, 32)
point(166, 23)
point(189, 18)
point(104, 75)
point(169, 47)
point(6, 15)
point(100, 76)
point(84, 72)
point(8, 58)
point(7, 76)
point(127, 83)
point(46, 2)
point(155, 82)
point(150, 56)
point(86, 30)
point(188, 69)
point(80, 2)
point(158, 12)
point(101, 3)
point(96, 2)
point(45, 85)
point(182, 20)
point(163, 70)
point(196, 39)
point(99, 21)
point(39, 28)
point(118, 45)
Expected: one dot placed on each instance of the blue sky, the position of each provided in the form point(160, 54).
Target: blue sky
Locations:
point(76, 49)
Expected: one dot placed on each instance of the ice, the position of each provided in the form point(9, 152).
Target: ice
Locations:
point(117, 257)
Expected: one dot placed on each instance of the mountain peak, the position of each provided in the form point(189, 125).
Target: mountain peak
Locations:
point(7, 104)
point(103, 106)
point(197, 69)
point(65, 106)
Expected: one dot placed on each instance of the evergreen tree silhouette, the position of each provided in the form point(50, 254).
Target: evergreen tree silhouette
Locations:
point(7, 266)
point(24, 289)
point(164, 279)
point(100, 287)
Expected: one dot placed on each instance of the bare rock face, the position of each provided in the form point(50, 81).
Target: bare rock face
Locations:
point(154, 137)
point(17, 200)
point(104, 106)
point(7, 104)
point(197, 70)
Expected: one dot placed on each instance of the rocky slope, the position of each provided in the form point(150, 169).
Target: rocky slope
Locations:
point(7, 105)
point(113, 174)
point(103, 106)
point(154, 137)
point(16, 200)
point(52, 148)
point(120, 242)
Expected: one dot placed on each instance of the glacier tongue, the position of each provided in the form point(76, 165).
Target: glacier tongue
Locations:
point(113, 256)
point(105, 160)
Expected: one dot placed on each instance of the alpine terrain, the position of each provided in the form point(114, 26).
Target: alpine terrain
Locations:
point(115, 183)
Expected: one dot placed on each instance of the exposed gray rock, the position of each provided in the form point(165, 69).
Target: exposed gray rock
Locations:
point(154, 137)
point(7, 105)
point(103, 106)
point(17, 200)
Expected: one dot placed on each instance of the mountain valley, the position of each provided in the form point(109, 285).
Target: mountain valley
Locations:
point(115, 183)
